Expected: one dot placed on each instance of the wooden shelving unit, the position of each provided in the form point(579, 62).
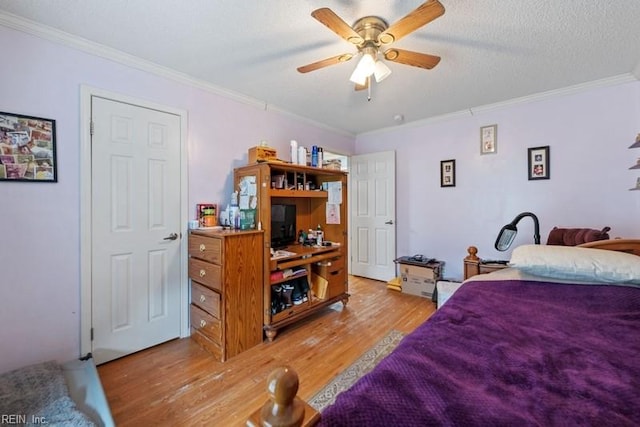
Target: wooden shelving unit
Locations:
point(306, 188)
point(299, 193)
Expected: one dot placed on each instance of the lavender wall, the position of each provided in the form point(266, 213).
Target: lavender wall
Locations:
point(589, 134)
point(39, 256)
point(40, 227)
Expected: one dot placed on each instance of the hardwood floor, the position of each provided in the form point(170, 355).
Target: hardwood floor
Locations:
point(179, 383)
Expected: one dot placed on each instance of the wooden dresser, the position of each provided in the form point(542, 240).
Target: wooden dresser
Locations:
point(226, 272)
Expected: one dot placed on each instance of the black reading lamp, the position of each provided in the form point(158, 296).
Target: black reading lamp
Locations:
point(509, 231)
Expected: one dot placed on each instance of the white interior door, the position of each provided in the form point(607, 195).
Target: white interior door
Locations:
point(136, 234)
point(373, 215)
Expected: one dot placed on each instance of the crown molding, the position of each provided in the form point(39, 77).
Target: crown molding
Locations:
point(309, 121)
point(48, 33)
point(418, 123)
point(45, 32)
point(96, 49)
point(556, 93)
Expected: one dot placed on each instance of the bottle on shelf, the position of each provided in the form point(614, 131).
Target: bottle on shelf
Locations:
point(294, 151)
point(319, 235)
point(302, 156)
point(314, 156)
point(234, 211)
point(311, 237)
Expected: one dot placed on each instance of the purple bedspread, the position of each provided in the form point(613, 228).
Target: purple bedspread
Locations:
point(509, 353)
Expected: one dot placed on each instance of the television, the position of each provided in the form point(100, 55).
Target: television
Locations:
point(283, 225)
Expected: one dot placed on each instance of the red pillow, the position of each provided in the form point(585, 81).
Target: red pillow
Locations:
point(576, 236)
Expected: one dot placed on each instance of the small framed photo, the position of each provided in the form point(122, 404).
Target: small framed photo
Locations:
point(448, 173)
point(489, 139)
point(539, 163)
point(27, 148)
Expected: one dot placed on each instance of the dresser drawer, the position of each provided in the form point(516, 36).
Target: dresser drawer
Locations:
point(206, 299)
point(212, 347)
point(206, 324)
point(205, 273)
point(337, 283)
point(206, 248)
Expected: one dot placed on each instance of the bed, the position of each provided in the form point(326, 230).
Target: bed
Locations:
point(67, 394)
point(551, 341)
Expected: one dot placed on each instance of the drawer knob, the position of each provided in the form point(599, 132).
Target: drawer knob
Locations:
point(203, 273)
point(203, 298)
point(203, 323)
point(202, 247)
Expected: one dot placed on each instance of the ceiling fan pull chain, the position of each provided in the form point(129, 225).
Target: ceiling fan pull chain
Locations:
point(369, 88)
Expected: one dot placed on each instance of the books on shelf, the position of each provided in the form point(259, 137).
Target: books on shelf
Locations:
point(277, 275)
point(289, 272)
point(296, 271)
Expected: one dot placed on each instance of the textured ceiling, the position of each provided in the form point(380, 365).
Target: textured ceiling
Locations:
point(492, 50)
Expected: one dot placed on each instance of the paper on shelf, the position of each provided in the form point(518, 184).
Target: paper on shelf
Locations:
point(281, 254)
point(244, 202)
point(335, 192)
point(333, 213)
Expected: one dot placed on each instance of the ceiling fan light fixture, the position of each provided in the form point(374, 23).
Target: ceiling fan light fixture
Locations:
point(381, 71)
point(369, 34)
point(365, 68)
point(358, 77)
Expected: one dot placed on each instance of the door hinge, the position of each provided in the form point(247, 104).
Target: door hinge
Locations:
point(91, 127)
point(91, 334)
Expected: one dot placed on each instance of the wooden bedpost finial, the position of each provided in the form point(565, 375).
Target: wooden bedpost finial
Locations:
point(284, 409)
point(472, 250)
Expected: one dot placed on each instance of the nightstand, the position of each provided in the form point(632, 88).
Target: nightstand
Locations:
point(474, 265)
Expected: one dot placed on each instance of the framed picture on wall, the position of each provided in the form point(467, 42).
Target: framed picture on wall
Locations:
point(539, 163)
point(448, 173)
point(489, 139)
point(27, 148)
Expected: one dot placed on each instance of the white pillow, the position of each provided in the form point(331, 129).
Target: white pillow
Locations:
point(575, 263)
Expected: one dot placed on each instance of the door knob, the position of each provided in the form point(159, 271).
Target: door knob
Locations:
point(172, 236)
point(390, 222)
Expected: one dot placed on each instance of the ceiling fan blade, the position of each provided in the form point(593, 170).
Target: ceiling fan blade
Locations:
point(325, 63)
point(327, 17)
point(415, 59)
point(422, 15)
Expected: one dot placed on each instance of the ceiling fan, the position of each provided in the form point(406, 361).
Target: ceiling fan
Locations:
point(370, 35)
